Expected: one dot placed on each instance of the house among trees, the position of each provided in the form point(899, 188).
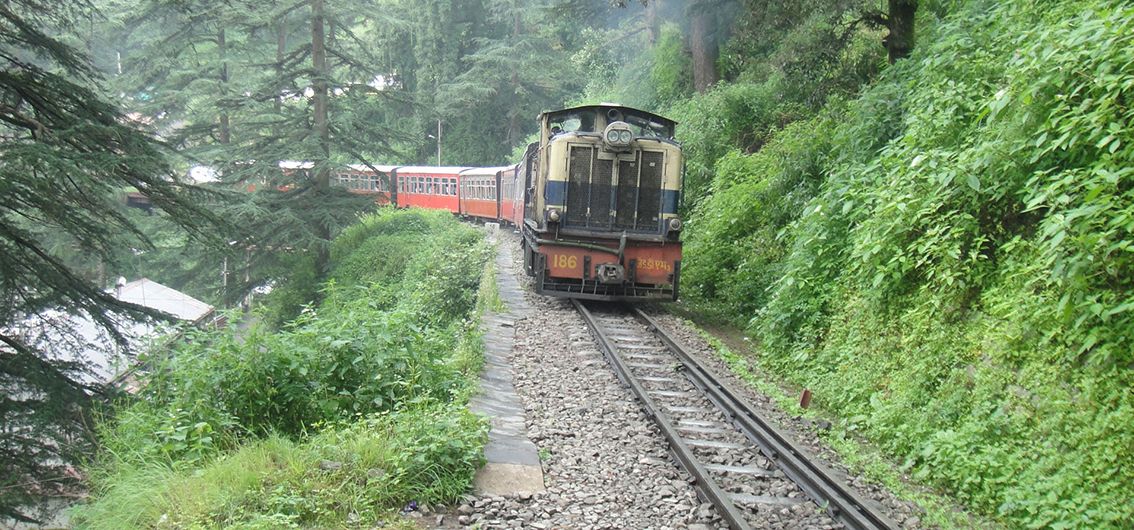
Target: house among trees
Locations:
point(88, 343)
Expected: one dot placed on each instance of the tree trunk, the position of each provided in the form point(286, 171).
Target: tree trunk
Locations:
point(321, 129)
point(513, 134)
point(224, 135)
point(703, 41)
point(653, 20)
point(900, 41)
point(281, 48)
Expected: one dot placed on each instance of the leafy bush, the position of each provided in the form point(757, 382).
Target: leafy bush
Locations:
point(672, 70)
point(391, 350)
point(957, 284)
point(742, 115)
point(357, 471)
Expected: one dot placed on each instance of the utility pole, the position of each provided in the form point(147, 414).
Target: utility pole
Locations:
point(438, 138)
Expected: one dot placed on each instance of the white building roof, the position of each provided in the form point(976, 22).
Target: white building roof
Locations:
point(78, 338)
point(151, 294)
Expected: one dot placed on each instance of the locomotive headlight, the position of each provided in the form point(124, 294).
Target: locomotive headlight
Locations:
point(553, 215)
point(675, 225)
point(618, 136)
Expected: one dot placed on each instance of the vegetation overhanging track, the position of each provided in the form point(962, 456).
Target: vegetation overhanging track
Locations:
point(841, 503)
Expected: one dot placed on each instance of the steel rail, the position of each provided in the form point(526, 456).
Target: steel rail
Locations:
point(704, 482)
point(842, 503)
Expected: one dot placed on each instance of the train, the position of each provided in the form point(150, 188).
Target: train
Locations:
point(596, 200)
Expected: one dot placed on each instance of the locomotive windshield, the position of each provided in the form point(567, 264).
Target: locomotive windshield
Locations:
point(642, 125)
point(574, 121)
point(594, 119)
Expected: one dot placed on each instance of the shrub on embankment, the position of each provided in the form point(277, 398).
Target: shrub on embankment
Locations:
point(947, 261)
point(351, 409)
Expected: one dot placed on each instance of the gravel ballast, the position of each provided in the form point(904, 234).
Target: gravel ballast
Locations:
point(606, 466)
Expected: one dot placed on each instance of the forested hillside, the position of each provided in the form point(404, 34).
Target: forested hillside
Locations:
point(944, 256)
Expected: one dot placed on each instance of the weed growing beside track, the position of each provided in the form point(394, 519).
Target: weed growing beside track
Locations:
point(338, 418)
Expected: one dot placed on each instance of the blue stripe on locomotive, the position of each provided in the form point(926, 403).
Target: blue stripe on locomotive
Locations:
point(556, 194)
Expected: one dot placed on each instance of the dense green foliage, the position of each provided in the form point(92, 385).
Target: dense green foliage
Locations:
point(946, 259)
point(66, 154)
point(373, 377)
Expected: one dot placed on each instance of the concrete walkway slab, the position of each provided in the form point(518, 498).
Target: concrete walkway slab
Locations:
point(513, 466)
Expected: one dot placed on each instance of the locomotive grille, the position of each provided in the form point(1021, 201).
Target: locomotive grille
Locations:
point(591, 192)
point(649, 191)
point(600, 195)
point(578, 184)
point(627, 194)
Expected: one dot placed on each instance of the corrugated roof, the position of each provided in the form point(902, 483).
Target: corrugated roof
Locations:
point(148, 293)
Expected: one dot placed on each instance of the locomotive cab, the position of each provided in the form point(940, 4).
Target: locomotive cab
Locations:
point(602, 218)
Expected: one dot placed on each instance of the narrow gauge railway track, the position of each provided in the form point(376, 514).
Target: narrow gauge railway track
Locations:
point(746, 468)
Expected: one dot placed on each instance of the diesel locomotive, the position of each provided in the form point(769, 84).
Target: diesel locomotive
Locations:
point(596, 201)
point(601, 208)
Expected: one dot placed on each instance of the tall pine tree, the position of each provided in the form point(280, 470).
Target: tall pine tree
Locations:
point(66, 156)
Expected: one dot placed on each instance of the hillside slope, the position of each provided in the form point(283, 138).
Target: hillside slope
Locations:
point(947, 261)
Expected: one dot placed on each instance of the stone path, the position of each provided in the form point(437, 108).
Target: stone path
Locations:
point(513, 466)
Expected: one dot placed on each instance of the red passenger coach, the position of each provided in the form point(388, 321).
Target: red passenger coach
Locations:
point(511, 206)
point(478, 192)
point(362, 180)
point(428, 187)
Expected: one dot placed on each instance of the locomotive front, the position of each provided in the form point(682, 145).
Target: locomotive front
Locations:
point(601, 219)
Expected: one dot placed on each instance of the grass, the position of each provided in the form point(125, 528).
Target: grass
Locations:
point(860, 457)
point(366, 397)
point(350, 475)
